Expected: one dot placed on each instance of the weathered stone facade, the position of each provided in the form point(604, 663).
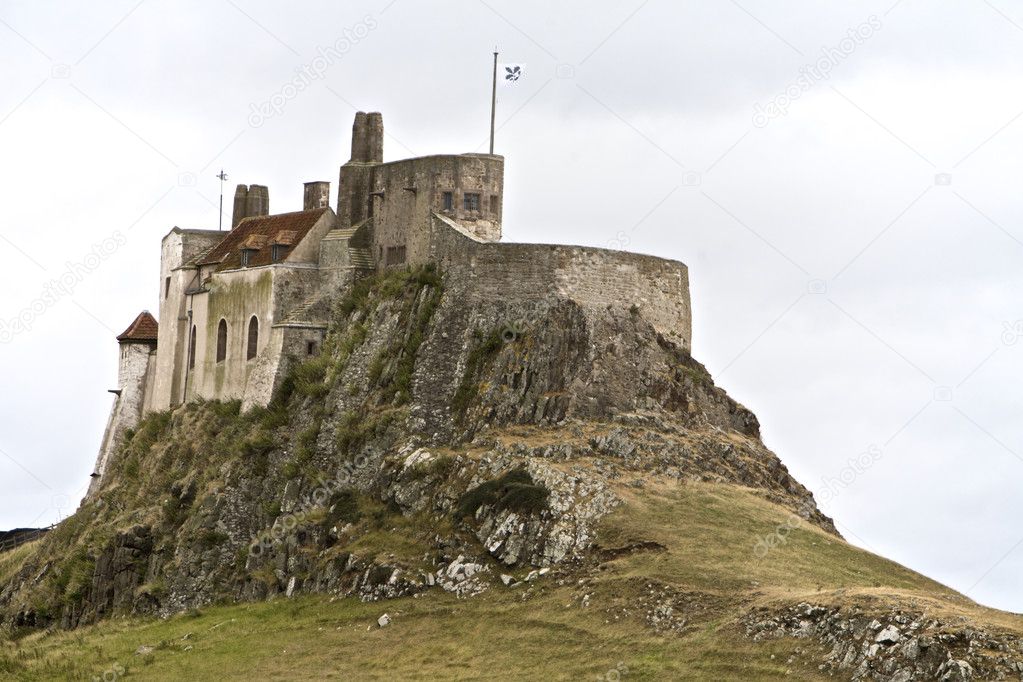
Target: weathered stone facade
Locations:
point(238, 308)
point(135, 373)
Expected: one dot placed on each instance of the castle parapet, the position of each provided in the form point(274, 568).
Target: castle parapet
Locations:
point(656, 289)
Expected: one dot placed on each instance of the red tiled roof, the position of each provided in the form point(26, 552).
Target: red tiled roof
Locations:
point(255, 242)
point(285, 238)
point(142, 330)
point(257, 233)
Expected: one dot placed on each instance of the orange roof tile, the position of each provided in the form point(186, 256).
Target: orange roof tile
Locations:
point(260, 230)
point(142, 330)
point(255, 241)
point(285, 237)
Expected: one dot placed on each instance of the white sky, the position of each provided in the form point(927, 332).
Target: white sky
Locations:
point(841, 291)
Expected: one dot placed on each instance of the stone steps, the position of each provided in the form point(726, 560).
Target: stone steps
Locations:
point(298, 314)
point(361, 258)
point(342, 233)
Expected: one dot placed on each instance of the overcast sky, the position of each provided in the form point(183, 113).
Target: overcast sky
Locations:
point(843, 180)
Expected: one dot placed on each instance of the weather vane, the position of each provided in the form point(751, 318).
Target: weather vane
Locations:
point(223, 176)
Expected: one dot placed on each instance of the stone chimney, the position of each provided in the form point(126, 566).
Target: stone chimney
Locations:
point(368, 138)
point(317, 195)
point(241, 194)
point(250, 201)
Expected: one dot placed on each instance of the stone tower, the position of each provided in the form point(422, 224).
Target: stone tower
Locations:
point(354, 203)
point(137, 346)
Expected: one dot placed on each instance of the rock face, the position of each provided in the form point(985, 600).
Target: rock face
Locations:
point(894, 645)
point(429, 441)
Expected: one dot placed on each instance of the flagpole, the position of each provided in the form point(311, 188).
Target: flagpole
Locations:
point(493, 103)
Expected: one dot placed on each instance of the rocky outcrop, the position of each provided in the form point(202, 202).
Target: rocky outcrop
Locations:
point(896, 645)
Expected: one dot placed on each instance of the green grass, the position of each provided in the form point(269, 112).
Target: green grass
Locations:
point(10, 562)
point(711, 534)
point(693, 542)
point(494, 636)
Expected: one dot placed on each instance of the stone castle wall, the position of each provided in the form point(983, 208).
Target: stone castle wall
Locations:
point(592, 277)
point(401, 196)
point(136, 367)
point(265, 293)
point(177, 248)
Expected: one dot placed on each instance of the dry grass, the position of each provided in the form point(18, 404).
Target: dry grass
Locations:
point(495, 636)
point(708, 532)
point(11, 562)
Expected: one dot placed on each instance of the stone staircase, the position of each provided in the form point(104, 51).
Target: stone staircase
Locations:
point(361, 258)
point(300, 314)
point(346, 233)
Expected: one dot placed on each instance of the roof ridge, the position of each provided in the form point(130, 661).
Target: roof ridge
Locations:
point(144, 328)
point(226, 254)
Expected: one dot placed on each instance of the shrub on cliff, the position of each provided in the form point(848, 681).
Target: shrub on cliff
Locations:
point(515, 491)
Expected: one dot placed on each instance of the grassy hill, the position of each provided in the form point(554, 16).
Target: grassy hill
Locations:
point(679, 570)
point(576, 499)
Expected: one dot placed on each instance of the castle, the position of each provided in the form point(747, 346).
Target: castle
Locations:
point(238, 308)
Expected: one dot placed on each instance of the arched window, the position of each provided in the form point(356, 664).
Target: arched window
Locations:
point(253, 338)
point(191, 349)
point(222, 341)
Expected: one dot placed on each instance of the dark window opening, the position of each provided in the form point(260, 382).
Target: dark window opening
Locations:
point(278, 252)
point(448, 201)
point(222, 341)
point(471, 201)
point(310, 348)
point(191, 349)
point(495, 205)
point(247, 257)
point(250, 352)
point(166, 287)
point(395, 255)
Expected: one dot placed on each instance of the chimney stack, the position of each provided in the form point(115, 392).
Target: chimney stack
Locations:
point(258, 202)
point(368, 138)
point(250, 201)
point(317, 195)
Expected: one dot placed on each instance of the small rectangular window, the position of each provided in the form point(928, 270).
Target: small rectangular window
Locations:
point(448, 201)
point(246, 255)
point(395, 255)
point(277, 252)
point(310, 348)
point(471, 201)
point(494, 205)
point(166, 287)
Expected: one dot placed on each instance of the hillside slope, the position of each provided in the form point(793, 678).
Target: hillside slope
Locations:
point(526, 485)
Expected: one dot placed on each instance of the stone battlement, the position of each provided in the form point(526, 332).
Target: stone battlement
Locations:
point(657, 288)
